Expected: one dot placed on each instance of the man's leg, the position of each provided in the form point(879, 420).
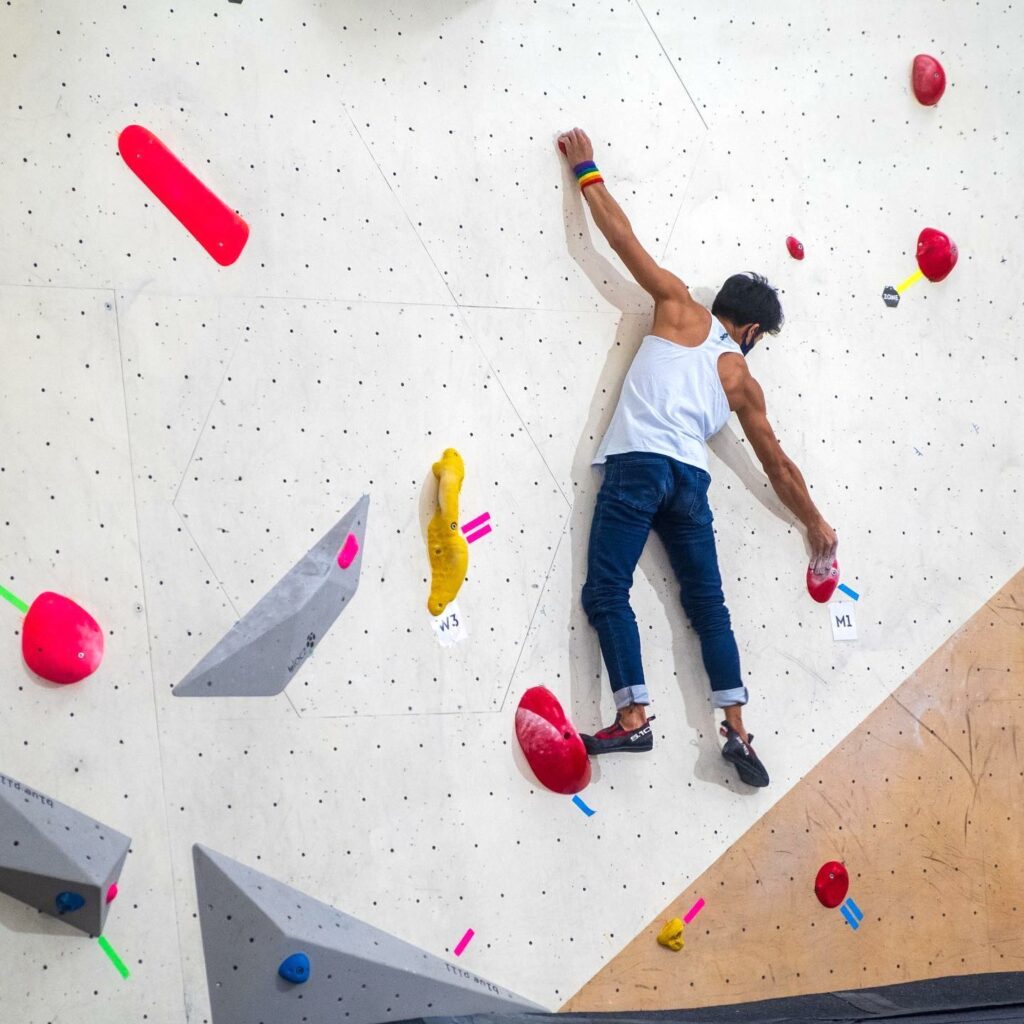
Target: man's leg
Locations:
point(626, 504)
point(686, 531)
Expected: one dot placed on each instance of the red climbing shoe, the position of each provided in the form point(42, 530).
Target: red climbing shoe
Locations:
point(614, 738)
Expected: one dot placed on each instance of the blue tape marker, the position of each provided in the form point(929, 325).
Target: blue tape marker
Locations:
point(856, 910)
point(850, 919)
point(582, 806)
point(850, 593)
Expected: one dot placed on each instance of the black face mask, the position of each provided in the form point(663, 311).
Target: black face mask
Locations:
point(746, 346)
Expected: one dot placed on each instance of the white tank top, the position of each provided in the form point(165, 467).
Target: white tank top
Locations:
point(672, 400)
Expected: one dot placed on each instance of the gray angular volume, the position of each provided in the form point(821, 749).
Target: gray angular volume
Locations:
point(358, 974)
point(50, 851)
point(260, 653)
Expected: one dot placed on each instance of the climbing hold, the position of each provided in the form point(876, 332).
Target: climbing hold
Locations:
point(928, 79)
point(446, 547)
point(795, 247)
point(348, 552)
point(69, 902)
point(832, 884)
point(551, 743)
point(671, 936)
point(112, 893)
point(936, 254)
point(295, 969)
point(821, 588)
point(60, 640)
point(213, 224)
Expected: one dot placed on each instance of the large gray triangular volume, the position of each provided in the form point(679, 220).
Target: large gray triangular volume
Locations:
point(261, 652)
point(57, 859)
point(358, 974)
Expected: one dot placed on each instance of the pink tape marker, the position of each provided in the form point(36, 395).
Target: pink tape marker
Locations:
point(348, 551)
point(479, 533)
point(474, 523)
point(693, 911)
point(463, 942)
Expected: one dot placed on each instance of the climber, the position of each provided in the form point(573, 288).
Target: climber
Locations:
point(689, 373)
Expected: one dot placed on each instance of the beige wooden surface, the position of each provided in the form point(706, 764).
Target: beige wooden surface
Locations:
point(922, 802)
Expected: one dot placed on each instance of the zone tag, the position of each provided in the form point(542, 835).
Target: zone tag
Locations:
point(844, 625)
point(450, 626)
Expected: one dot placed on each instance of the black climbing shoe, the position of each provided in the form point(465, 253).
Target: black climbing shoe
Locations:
point(615, 738)
point(741, 754)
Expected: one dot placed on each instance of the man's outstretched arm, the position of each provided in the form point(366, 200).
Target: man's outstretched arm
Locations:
point(786, 479)
point(612, 222)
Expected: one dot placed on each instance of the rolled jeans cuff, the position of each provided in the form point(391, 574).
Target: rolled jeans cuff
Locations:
point(727, 698)
point(633, 695)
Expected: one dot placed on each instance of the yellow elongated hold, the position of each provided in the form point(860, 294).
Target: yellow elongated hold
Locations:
point(446, 547)
point(671, 936)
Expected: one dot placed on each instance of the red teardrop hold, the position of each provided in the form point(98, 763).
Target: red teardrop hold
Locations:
point(821, 588)
point(796, 248)
point(936, 254)
point(551, 743)
point(60, 640)
point(928, 79)
point(832, 884)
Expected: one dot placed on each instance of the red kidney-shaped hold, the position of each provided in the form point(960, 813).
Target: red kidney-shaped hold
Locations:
point(821, 588)
point(795, 247)
point(550, 742)
point(928, 79)
point(832, 884)
point(936, 254)
point(60, 640)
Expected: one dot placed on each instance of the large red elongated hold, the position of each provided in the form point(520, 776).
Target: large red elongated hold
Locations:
point(214, 225)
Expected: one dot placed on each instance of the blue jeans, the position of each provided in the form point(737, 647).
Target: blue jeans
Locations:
point(642, 491)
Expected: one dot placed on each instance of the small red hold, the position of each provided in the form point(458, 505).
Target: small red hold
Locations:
point(60, 640)
point(936, 254)
point(928, 79)
point(821, 588)
point(795, 247)
point(832, 884)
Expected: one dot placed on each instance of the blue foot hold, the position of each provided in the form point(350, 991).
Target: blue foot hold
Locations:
point(295, 969)
point(68, 902)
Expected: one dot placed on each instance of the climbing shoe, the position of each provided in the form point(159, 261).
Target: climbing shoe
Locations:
point(615, 738)
point(741, 754)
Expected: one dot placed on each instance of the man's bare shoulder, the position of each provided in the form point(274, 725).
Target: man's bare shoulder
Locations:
point(736, 378)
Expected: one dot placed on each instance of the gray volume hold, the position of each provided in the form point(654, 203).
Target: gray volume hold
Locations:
point(56, 859)
point(359, 974)
point(261, 652)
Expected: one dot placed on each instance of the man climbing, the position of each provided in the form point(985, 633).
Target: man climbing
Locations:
point(688, 375)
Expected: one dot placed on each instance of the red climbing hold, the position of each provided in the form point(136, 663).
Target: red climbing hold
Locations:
point(551, 743)
point(928, 79)
point(214, 225)
point(832, 884)
point(60, 640)
point(821, 588)
point(936, 254)
point(795, 247)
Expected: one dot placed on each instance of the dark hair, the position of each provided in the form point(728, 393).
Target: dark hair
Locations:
point(749, 299)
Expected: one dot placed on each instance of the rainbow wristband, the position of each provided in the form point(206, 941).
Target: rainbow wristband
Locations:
point(587, 174)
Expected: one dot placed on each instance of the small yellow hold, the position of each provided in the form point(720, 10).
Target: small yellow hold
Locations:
point(671, 936)
point(447, 548)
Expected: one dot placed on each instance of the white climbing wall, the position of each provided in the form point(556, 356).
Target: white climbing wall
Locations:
point(422, 273)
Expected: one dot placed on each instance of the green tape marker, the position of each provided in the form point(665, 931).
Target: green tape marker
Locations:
point(114, 958)
point(16, 601)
